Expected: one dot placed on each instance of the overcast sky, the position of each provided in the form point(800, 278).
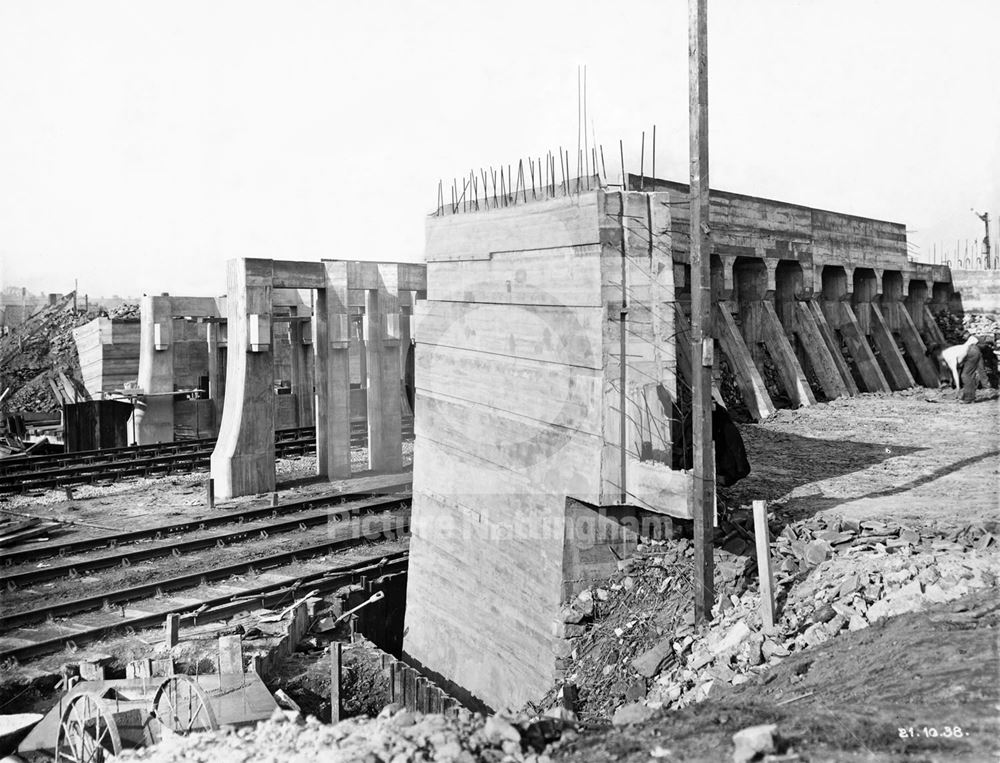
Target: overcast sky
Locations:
point(144, 143)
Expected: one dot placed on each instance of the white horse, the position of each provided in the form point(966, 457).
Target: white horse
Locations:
point(954, 355)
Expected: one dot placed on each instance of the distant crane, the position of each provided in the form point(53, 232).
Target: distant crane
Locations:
point(985, 217)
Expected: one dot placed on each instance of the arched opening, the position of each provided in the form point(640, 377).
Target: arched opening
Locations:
point(941, 294)
point(749, 279)
point(865, 286)
point(917, 292)
point(788, 280)
point(834, 283)
point(892, 286)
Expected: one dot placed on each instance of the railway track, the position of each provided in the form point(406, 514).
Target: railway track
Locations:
point(38, 630)
point(23, 473)
point(260, 522)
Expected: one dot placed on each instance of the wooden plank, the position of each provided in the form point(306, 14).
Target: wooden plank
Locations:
point(762, 536)
point(563, 276)
point(750, 382)
point(792, 376)
point(857, 344)
point(816, 350)
point(933, 330)
point(915, 347)
point(336, 659)
point(570, 336)
point(833, 346)
point(540, 225)
point(895, 368)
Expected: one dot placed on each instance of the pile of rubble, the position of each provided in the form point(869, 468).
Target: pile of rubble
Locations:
point(830, 575)
point(979, 324)
point(395, 734)
point(125, 311)
point(606, 627)
point(36, 352)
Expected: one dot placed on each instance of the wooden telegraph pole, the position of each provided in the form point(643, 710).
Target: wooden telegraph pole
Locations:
point(703, 489)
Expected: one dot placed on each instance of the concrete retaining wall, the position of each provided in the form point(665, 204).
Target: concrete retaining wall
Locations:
point(979, 290)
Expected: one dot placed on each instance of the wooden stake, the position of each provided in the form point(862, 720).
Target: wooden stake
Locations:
point(171, 629)
point(703, 489)
point(763, 537)
point(335, 678)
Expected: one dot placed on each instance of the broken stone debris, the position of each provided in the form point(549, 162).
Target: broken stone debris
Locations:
point(834, 576)
point(395, 735)
point(753, 741)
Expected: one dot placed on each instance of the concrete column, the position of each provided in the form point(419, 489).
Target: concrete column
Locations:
point(300, 342)
point(772, 268)
point(216, 370)
point(243, 460)
point(332, 372)
point(385, 451)
point(156, 371)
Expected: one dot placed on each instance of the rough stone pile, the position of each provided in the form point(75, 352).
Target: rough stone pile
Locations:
point(979, 324)
point(830, 576)
point(395, 736)
point(125, 311)
point(39, 350)
point(607, 626)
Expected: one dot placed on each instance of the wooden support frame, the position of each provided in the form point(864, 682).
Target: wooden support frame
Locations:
point(818, 352)
point(833, 346)
point(857, 344)
point(899, 319)
point(748, 377)
point(932, 329)
point(896, 371)
point(783, 355)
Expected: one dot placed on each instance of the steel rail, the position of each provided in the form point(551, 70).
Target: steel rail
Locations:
point(21, 463)
point(86, 456)
point(160, 532)
point(220, 607)
point(220, 539)
point(190, 579)
point(132, 467)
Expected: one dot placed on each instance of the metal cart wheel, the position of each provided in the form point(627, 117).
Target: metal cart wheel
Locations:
point(87, 731)
point(182, 706)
